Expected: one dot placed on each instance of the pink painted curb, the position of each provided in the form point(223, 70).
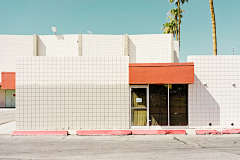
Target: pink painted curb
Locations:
point(148, 132)
point(176, 132)
point(204, 132)
point(35, 133)
point(103, 132)
point(231, 131)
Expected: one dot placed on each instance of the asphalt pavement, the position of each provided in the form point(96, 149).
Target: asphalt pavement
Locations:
point(120, 147)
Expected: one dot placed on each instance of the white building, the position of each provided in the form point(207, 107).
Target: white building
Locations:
point(74, 82)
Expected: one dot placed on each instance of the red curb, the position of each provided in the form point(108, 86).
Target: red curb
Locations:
point(204, 132)
point(231, 131)
point(148, 132)
point(103, 132)
point(176, 132)
point(35, 133)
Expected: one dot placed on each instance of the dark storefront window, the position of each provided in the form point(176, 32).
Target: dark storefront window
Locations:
point(178, 104)
point(158, 105)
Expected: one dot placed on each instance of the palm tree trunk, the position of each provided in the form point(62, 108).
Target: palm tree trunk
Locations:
point(176, 28)
point(213, 28)
point(179, 21)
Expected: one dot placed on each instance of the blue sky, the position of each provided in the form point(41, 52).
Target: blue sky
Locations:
point(26, 17)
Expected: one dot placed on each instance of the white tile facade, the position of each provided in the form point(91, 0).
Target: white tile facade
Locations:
point(153, 48)
point(72, 93)
point(102, 45)
point(16, 45)
point(7, 64)
point(58, 45)
point(12, 46)
point(219, 101)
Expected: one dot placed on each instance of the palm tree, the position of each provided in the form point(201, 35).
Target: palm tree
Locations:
point(173, 13)
point(179, 19)
point(170, 27)
point(213, 28)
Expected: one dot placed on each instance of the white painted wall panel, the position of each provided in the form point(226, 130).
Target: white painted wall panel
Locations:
point(58, 45)
point(218, 102)
point(102, 45)
point(154, 48)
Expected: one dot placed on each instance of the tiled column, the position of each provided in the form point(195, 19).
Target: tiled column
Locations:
point(35, 45)
point(80, 45)
point(126, 45)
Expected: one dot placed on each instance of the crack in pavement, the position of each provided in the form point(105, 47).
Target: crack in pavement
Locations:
point(7, 122)
point(200, 145)
point(175, 138)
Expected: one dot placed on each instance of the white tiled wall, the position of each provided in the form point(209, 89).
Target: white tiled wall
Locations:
point(72, 93)
point(102, 45)
point(12, 46)
point(154, 48)
point(2, 97)
point(58, 45)
point(7, 64)
point(16, 45)
point(218, 102)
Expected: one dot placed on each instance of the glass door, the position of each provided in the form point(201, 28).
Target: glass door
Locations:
point(139, 106)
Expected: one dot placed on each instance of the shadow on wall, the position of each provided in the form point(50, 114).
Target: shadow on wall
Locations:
point(41, 48)
point(176, 58)
point(42, 51)
point(205, 111)
point(132, 51)
point(60, 37)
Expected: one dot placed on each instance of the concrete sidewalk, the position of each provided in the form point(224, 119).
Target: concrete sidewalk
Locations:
point(7, 120)
point(8, 128)
point(7, 115)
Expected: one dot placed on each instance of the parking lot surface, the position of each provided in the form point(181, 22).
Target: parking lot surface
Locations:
point(120, 147)
point(189, 146)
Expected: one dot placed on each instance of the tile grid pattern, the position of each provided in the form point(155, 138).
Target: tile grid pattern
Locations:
point(219, 101)
point(102, 45)
point(12, 46)
point(58, 45)
point(154, 48)
point(16, 45)
point(72, 93)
